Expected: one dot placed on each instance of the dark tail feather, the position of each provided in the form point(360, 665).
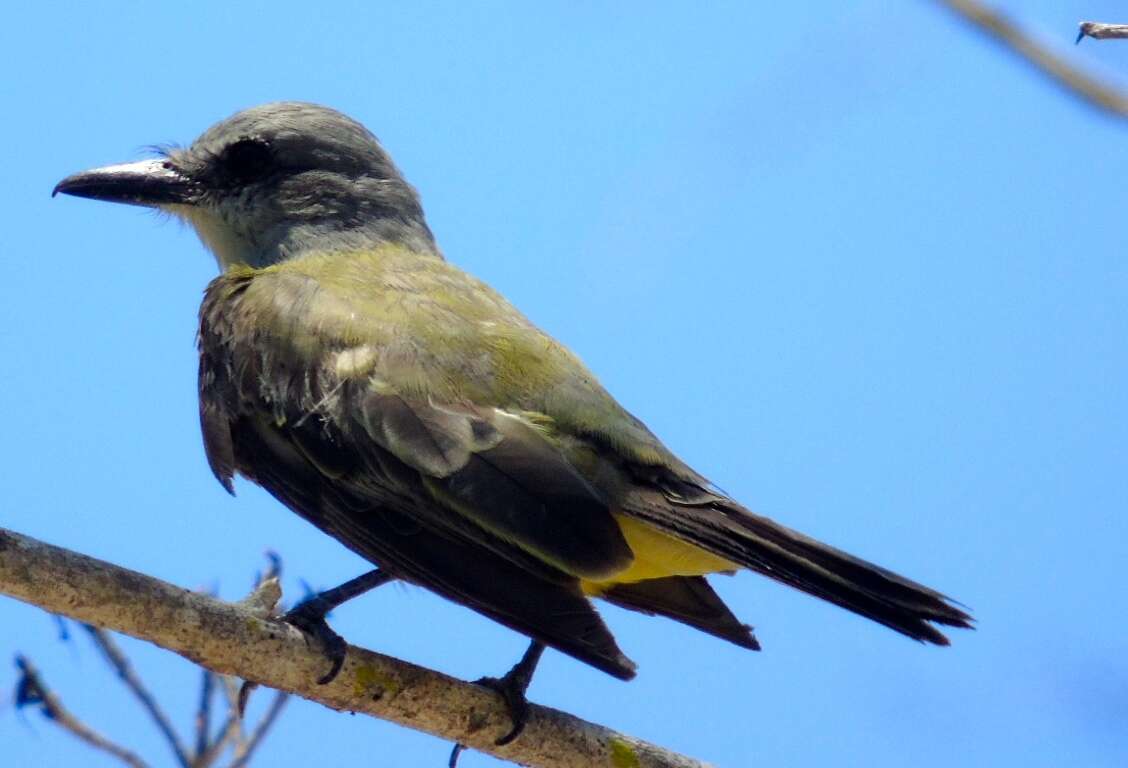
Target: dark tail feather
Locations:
point(841, 578)
point(688, 599)
point(728, 530)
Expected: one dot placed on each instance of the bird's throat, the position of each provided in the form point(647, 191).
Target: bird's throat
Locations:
point(226, 244)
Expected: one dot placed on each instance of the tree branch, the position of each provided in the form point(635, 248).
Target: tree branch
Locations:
point(225, 738)
point(236, 639)
point(120, 664)
point(1070, 77)
point(32, 690)
point(1100, 31)
point(203, 714)
point(245, 751)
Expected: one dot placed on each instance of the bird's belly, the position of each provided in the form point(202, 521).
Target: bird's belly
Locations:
point(658, 555)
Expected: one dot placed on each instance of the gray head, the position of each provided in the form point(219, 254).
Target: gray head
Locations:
point(273, 182)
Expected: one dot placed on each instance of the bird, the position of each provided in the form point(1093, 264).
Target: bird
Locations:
point(411, 412)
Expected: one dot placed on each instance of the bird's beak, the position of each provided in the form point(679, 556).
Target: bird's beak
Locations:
point(148, 182)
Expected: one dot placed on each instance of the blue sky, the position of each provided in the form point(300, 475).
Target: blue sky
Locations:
point(853, 262)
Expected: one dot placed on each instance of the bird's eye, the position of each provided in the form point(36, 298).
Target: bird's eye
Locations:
point(247, 160)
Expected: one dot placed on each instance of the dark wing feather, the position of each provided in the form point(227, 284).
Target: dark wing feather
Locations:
point(500, 474)
point(217, 445)
point(384, 529)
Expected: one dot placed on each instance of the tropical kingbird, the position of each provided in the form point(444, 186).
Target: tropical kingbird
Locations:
point(408, 410)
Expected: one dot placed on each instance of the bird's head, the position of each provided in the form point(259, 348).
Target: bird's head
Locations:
point(273, 182)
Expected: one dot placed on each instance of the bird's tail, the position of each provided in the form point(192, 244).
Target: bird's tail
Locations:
point(730, 531)
point(848, 581)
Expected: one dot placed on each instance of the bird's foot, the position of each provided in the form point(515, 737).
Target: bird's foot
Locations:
point(309, 618)
point(309, 615)
point(512, 687)
point(515, 702)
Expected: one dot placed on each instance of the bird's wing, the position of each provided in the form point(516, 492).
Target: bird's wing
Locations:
point(378, 519)
point(502, 474)
point(471, 502)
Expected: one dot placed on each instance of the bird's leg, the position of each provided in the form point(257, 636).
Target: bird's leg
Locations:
point(512, 686)
point(309, 616)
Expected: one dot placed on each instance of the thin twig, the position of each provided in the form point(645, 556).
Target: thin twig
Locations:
point(244, 753)
point(232, 687)
point(223, 739)
point(31, 690)
point(263, 600)
point(1100, 31)
point(120, 663)
point(273, 567)
point(233, 639)
point(245, 690)
point(1070, 77)
point(203, 715)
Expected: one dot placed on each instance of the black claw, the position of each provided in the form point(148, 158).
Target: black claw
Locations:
point(513, 693)
point(309, 617)
point(518, 728)
point(512, 687)
point(337, 660)
point(454, 754)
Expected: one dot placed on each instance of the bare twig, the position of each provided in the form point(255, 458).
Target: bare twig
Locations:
point(244, 753)
point(120, 663)
point(31, 690)
point(234, 639)
point(273, 567)
point(245, 690)
point(224, 738)
point(1070, 77)
point(203, 715)
point(1099, 31)
point(232, 734)
point(232, 687)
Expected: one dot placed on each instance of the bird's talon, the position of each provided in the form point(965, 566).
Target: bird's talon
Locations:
point(509, 737)
point(512, 692)
point(309, 619)
point(337, 660)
